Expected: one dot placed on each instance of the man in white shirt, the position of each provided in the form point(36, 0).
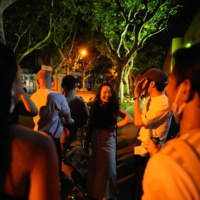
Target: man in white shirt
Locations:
point(52, 108)
point(154, 119)
point(178, 174)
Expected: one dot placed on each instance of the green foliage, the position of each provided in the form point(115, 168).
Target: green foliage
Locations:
point(118, 22)
point(120, 28)
point(95, 87)
point(117, 28)
point(38, 24)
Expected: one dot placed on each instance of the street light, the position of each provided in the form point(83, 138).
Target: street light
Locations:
point(83, 53)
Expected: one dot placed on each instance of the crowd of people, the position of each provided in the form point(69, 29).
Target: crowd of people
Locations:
point(31, 160)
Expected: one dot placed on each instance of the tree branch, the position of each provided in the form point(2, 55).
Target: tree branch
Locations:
point(110, 47)
point(135, 46)
point(4, 4)
point(148, 17)
point(157, 31)
point(18, 40)
point(122, 11)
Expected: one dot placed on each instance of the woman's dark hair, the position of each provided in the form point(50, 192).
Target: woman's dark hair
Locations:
point(8, 71)
point(69, 82)
point(187, 65)
point(113, 101)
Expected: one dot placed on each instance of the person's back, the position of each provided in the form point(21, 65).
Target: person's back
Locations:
point(53, 111)
point(50, 116)
point(80, 115)
point(33, 162)
point(25, 154)
point(54, 106)
point(40, 99)
point(77, 107)
point(178, 174)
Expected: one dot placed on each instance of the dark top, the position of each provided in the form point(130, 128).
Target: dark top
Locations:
point(14, 116)
point(8, 197)
point(80, 115)
point(103, 116)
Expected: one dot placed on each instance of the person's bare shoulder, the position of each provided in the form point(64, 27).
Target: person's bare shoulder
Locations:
point(33, 144)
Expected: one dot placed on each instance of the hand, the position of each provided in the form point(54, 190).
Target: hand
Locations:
point(151, 147)
point(141, 84)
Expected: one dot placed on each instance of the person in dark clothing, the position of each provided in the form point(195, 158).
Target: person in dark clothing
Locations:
point(28, 167)
point(78, 110)
point(101, 178)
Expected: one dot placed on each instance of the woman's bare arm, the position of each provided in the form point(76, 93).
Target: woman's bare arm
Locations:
point(126, 118)
point(28, 108)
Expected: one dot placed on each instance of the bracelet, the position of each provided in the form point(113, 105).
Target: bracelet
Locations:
point(136, 98)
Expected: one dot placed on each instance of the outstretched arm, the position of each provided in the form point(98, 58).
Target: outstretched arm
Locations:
point(126, 118)
point(28, 108)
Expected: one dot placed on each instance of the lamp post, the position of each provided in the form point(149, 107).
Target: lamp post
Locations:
point(83, 53)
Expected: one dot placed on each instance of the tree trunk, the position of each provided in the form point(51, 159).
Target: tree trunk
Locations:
point(3, 5)
point(126, 78)
point(118, 81)
point(83, 79)
point(131, 78)
point(121, 92)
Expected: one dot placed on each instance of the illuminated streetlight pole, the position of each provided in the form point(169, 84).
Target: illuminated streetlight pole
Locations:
point(83, 54)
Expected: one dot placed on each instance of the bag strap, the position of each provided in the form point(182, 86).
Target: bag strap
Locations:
point(186, 150)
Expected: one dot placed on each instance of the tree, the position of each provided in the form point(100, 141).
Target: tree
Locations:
point(104, 70)
point(38, 24)
point(122, 28)
point(63, 55)
point(3, 5)
point(87, 60)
